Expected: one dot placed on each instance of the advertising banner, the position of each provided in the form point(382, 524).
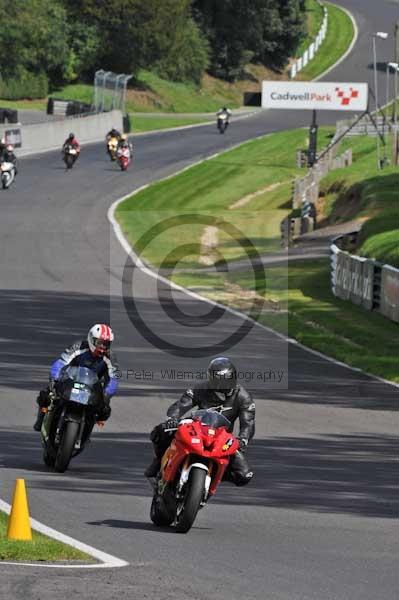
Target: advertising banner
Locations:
point(389, 305)
point(300, 95)
point(368, 284)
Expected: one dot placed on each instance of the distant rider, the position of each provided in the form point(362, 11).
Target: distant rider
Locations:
point(93, 353)
point(113, 133)
point(72, 141)
point(222, 393)
point(124, 143)
point(7, 155)
point(224, 111)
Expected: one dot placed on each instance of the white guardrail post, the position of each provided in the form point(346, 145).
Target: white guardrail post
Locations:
point(312, 50)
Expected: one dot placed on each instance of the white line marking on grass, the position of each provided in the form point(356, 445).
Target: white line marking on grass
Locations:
point(107, 561)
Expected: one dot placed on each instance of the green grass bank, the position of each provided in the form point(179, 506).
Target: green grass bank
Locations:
point(41, 548)
point(250, 187)
point(340, 33)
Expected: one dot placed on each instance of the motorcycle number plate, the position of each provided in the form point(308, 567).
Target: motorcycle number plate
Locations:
point(80, 396)
point(195, 441)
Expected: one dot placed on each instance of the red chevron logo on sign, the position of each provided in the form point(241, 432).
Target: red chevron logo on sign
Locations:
point(346, 97)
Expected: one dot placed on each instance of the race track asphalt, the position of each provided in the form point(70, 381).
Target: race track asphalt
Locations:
point(319, 520)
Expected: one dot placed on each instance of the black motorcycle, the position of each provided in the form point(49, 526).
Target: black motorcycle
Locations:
point(71, 416)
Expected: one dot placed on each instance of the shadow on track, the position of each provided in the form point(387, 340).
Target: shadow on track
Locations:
point(36, 326)
point(352, 474)
point(138, 525)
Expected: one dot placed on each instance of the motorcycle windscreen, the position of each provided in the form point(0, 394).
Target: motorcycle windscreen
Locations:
point(82, 383)
point(211, 418)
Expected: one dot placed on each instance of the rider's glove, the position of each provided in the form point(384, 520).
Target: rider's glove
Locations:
point(171, 423)
point(243, 444)
point(51, 390)
point(105, 413)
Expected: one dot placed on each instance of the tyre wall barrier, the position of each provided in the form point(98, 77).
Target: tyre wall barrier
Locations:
point(44, 137)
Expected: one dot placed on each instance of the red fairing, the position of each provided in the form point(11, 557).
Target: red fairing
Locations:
point(200, 440)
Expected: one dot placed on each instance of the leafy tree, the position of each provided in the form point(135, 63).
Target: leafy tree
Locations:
point(33, 38)
point(239, 30)
point(158, 34)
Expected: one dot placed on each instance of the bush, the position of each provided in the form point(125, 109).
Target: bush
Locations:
point(27, 86)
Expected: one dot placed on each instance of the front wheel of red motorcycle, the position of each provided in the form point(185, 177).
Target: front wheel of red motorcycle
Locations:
point(192, 500)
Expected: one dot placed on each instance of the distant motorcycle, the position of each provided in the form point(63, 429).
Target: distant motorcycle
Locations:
point(222, 123)
point(70, 155)
point(123, 155)
point(192, 468)
point(70, 417)
point(7, 174)
point(112, 146)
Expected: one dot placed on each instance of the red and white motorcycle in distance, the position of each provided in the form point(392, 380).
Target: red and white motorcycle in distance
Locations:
point(192, 468)
point(123, 156)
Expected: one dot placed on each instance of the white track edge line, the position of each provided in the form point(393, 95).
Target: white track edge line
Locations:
point(107, 560)
point(349, 50)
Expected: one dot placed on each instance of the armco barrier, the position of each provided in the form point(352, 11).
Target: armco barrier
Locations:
point(360, 279)
point(50, 135)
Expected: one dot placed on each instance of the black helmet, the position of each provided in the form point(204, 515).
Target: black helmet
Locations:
point(222, 375)
point(71, 136)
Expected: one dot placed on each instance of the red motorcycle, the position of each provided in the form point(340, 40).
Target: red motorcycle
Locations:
point(192, 468)
point(123, 156)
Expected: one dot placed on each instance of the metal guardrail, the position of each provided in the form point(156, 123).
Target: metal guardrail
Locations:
point(363, 281)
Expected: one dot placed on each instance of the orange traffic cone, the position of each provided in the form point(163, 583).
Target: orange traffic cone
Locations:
point(19, 521)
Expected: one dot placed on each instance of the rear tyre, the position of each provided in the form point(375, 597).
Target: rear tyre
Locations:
point(66, 447)
point(158, 513)
point(192, 500)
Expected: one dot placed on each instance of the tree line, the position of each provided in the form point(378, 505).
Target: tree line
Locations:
point(58, 41)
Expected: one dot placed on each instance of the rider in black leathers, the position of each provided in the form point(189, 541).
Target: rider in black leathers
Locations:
point(220, 392)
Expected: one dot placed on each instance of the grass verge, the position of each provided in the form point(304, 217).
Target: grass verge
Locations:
point(314, 19)
point(41, 548)
point(143, 123)
point(363, 192)
point(339, 37)
point(258, 174)
point(315, 317)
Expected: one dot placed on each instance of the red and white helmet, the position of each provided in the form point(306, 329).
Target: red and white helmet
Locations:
point(99, 339)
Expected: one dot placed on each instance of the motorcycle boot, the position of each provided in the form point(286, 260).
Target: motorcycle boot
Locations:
point(39, 419)
point(153, 468)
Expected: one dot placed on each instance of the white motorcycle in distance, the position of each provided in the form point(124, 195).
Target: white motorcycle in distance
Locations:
point(7, 174)
point(223, 122)
point(70, 156)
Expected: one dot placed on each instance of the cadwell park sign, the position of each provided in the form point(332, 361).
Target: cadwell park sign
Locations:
point(300, 95)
